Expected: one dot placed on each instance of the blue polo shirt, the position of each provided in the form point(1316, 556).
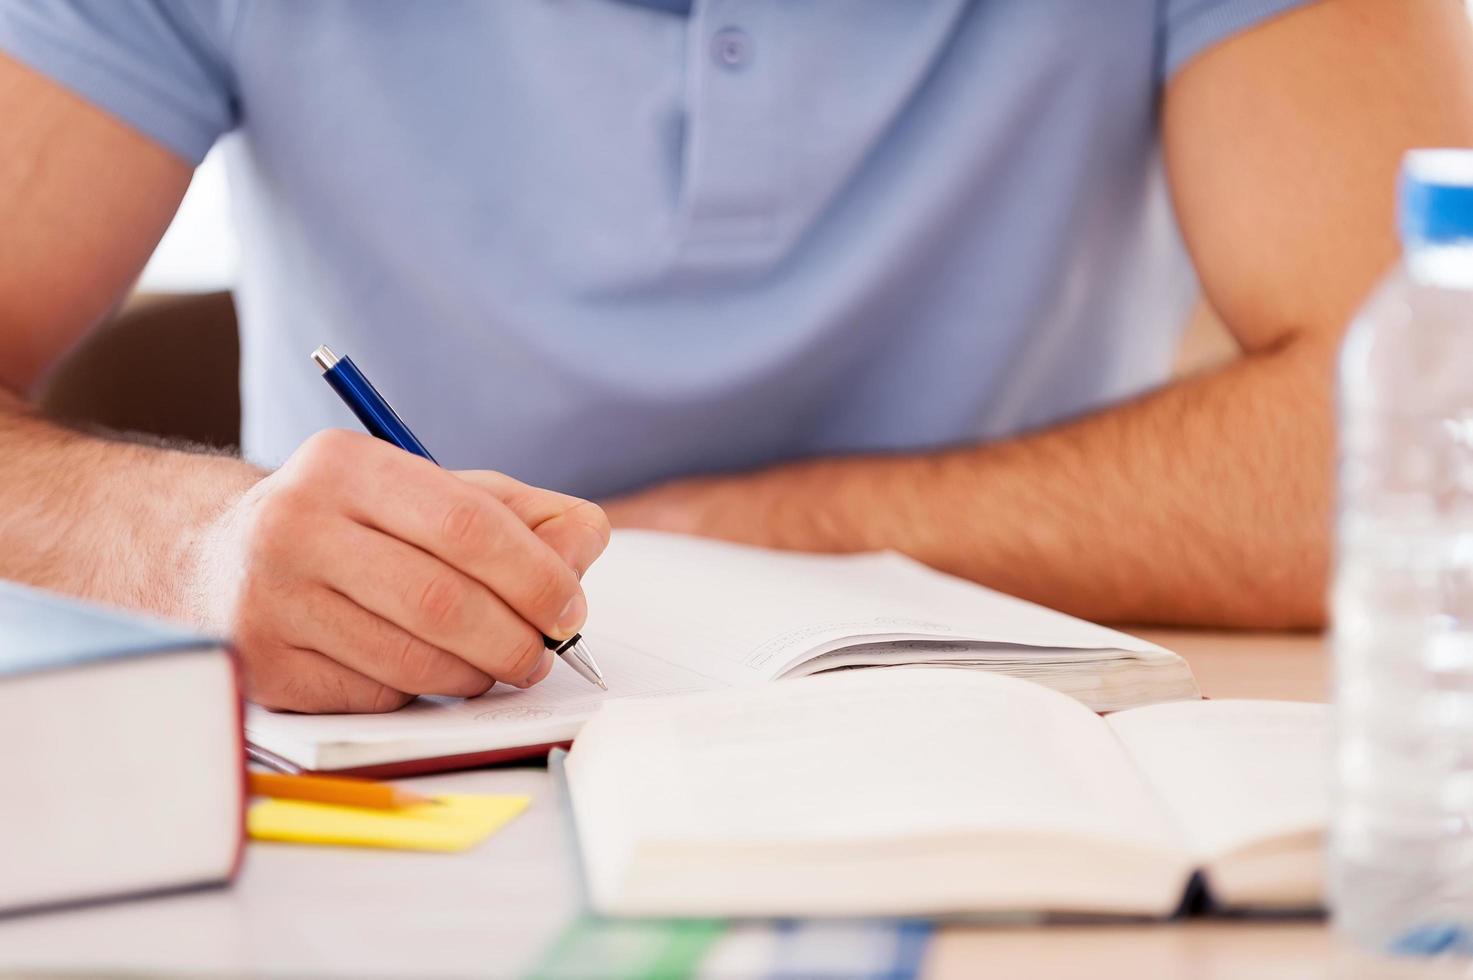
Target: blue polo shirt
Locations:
point(600, 243)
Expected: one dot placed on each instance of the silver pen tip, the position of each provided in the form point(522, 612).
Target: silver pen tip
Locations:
point(324, 357)
point(576, 655)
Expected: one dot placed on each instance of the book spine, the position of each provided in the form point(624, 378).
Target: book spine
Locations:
point(242, 756)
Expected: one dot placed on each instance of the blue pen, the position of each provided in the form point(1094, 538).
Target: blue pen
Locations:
point(382, 421)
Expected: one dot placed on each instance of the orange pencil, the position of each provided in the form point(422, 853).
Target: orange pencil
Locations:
point(337, 790)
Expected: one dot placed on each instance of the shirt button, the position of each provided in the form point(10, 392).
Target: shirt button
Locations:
point(731, 47)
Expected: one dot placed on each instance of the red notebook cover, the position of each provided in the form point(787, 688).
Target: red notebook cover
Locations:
point(415, 767)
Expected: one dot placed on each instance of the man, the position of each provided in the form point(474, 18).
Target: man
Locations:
point(819, 275)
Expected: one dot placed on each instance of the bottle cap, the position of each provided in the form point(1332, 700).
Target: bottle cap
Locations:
point(1437, 196)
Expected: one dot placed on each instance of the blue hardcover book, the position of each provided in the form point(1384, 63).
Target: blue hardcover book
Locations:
point(123, 772)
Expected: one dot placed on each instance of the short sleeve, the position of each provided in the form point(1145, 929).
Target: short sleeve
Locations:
point(160, 66)
point(1189, 27)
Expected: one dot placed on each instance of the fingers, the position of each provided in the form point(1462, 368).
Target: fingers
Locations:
point(287, 678)
point(576, 529)
point(543, 668)
point(382, 576)
point(381, 651)
point(415, 595)
point(464, 526)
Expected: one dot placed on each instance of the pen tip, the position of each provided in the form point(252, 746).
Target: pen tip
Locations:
point(575, 654)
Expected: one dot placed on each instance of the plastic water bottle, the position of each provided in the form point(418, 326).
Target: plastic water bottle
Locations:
point(1401, 855)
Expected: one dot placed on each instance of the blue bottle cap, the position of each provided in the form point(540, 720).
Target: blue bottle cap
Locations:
point(1437, 196)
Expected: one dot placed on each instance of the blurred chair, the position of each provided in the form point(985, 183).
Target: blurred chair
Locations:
point(167, 365)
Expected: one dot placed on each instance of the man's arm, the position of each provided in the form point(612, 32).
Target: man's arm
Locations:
point(351, 579)
point(76, 233)
point(1206, 502)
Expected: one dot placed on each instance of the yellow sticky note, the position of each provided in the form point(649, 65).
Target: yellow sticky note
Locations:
point(458, 821)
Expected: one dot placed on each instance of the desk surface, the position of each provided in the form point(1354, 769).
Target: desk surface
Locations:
point(492, 912)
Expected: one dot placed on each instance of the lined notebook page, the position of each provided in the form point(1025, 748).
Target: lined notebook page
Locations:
point(503, 717)
point(747, 613)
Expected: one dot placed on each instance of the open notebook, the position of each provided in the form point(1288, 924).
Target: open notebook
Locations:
point(928, 792)
point(672, 614)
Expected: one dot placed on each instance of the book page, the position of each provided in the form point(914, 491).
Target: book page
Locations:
point(742, 614)
point(860, 757)
point(1234, 773)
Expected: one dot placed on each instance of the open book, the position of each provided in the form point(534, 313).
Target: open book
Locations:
point(933, 792)
point(672, 614)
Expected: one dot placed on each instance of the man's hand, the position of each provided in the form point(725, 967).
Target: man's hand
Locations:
point(358, 576)
point(351, 579)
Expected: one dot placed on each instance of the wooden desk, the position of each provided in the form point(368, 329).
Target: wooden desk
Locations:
point(492, 912)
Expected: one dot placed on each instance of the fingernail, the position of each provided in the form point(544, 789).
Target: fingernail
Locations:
point(544, 667)
point(570, 620)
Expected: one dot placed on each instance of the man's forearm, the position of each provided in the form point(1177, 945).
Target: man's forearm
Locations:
point(1205, 502)
point(110, 520)
point(353, 578)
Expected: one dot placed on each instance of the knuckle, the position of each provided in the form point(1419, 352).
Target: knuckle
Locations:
point(467, 526)
point(384, 699)
point(323, 458)
point(592, 515)
point(408, 664)
point(327, 446)
point(438, 603)
point(519, 652)
point(549, 585)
